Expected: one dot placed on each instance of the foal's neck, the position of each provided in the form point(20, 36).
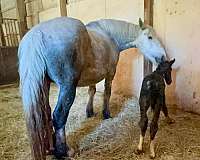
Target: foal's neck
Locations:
point(159, 72)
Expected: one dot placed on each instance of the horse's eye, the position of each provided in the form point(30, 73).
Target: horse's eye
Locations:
point(149, 37)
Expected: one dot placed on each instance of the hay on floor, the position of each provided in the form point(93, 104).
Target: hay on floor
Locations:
point(97, 139)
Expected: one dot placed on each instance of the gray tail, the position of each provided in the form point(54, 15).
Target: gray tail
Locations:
point(34, 91)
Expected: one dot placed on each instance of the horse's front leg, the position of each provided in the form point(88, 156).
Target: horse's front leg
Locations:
point(65, 101)
point(107, 94)
point(89, 109)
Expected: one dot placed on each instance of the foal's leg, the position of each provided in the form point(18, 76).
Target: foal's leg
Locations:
point(154, 127)
point(89, 109)
point(60, 115)
point(165, 111)
point(107, 94)
point(143, 123)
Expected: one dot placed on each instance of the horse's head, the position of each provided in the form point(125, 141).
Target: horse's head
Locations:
point(147, 42)
point(165, 68)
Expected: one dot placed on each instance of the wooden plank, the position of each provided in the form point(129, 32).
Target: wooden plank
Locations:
point(21, 16)
point(62, 7)
point(3, 41)
point(148, 19)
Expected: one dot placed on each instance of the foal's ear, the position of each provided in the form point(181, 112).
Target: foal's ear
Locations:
point(141, 24)
point(172, 61)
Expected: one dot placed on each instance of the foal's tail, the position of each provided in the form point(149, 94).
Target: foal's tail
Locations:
point(34, 91)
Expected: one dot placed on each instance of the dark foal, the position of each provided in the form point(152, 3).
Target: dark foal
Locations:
point(153, 94)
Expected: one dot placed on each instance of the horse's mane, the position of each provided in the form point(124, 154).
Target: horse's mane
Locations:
point(121, 31)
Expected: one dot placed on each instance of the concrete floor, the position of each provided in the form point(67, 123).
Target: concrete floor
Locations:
point(96, 139)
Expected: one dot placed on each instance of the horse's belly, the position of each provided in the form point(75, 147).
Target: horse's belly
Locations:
point(91, 76)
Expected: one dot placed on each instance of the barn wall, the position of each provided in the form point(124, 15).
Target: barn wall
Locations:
point(8, 65)
point(8, 8)
point(178, 25)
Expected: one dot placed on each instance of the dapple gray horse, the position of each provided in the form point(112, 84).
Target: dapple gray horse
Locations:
point(71, 54)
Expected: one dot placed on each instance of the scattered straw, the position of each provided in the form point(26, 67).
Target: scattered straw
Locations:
point(95, 139)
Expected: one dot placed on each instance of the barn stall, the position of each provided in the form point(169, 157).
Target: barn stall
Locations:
point(116, 138)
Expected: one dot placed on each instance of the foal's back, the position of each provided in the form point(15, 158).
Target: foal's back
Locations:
point(152, 85)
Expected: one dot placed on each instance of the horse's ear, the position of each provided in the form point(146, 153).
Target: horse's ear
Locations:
point(141, 24)
point(172, 61)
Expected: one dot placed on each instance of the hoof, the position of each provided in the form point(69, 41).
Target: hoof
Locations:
point(138, 152)
point(106, 115)
point(61, 151)
point(152, 156)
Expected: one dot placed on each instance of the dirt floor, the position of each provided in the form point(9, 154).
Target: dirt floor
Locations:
point(95, 139)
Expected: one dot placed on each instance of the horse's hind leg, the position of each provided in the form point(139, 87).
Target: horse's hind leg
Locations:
point(60, 115)
point(107, 94)
point(143, 123)
point(48, 136)
point(89, 109)
point(154, 127)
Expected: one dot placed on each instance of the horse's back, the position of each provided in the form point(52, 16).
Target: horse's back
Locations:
point(60, 42)
point(59, 31)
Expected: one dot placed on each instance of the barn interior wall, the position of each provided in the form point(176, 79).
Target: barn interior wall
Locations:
point(177, 24)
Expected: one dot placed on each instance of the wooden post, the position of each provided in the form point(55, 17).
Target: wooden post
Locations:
point(148, 19)
point(3, 41)
point(21, 16)
point(62, 7)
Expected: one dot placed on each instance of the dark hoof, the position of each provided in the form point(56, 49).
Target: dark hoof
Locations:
point(61, 151)
point(59, 154)
point(106, 116)
point(138, 152)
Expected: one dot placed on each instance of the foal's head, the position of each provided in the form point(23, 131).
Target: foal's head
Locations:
point(165, 69)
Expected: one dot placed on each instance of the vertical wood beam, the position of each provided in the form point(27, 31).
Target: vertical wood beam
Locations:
point(36, 11)
point(3, 41)
point(148, 19)
point(21, 16)
point(62, 7)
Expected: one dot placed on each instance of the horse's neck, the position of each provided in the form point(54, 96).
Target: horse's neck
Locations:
point(122, 33)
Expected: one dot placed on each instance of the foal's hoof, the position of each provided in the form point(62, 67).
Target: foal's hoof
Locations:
point(138, 152)
point(152, 156)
